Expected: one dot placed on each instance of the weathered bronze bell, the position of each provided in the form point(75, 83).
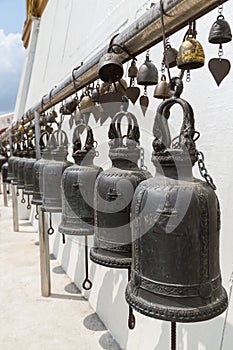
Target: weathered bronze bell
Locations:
point(86, 103)
point(28, 173)
point(52, 173)
point(170, 56)
point(5, 173)
point(110, 68)
point(78, 183)
point(191, 54)
point(38, 168)
point(95, 94)
point(11, 162)
point(147, 73)
point(161, 89)
point(20, 173)
point(69, 107)
point(113, 195)
point(78, 187)
point(176, 222)
point(15, 164)
point(220, 32)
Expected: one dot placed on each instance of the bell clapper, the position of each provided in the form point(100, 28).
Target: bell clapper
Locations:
point(29, 204)
point(17, 192)
point(23, 199)
point(87, 284)
point(50, 229)
point(63, 239)
point(173, 335)
point(131, 319)
point(37, 213)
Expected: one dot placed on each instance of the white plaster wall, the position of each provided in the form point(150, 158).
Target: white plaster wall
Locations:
point(71, 30)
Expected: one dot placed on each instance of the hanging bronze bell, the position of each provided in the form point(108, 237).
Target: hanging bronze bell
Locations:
point(113, 195)
point(15, 165)
point(28, 173)
point(11, 162)
point(191, 54)
point(147, 73)
point(133, 70)
point(110, 68)
point(5, 173)
point(78, 187)
point(220, 32)
point(38, 168)
point(69, 107)
point(52, 173)
point(170, 57)
point(86, 103)
point(161, 89)
point(176, 222)
point(95, 94)
point(20, 173)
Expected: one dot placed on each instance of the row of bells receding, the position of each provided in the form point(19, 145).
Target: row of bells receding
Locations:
point(175, 275)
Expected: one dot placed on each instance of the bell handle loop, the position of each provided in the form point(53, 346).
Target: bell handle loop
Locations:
point(60, 138)
point(87, 284)
point(89, 143)
point(191, 31)
point(176, 87)
point(42, 143)
point(133, 129)
point(161, 129)
point(23, 199)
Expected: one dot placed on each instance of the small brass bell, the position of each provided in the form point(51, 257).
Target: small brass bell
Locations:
point(220, 32)
point(86, 103)
point(170, 57)
point(147, 73)
point(133, 71)
point(191, 54)
point(161, 89)
point(110, 68)
point(95, 95)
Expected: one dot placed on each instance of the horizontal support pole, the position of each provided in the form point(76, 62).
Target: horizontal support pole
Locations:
point(141, 35)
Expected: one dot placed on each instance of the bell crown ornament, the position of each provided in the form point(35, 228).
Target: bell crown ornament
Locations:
point(191, 54)
point(175, 264)
point(220, 32)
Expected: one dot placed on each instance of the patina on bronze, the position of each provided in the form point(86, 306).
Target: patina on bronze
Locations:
point(78, 182)
point(114, 191)
point(176, 222)
point(52, 174)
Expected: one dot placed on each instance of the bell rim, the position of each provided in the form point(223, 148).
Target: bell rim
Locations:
point(46, 209)
point(165, 313)
point(112, 262)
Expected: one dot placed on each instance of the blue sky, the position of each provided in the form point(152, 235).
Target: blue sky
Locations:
point(12, 52)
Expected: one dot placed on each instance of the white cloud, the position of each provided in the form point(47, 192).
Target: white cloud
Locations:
point(12, 54)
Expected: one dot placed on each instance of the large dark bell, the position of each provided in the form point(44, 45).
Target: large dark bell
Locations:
point(52, 175)
point(3, 160)
point(78, 183)
point(110, 68)
point(4, 173)
point(38, 168)
point(114, 191)
point(28, 175)
point(20, 173)
point(147, 73)
point(10, 168)
point(176, 221)
point(14, 180)
point(220, 32)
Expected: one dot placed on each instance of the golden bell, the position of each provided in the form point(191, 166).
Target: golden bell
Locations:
point(161, 89)
point(86, 103)
point(191, 54)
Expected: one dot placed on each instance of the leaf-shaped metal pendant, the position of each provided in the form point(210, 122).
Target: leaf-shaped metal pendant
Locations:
point(133, 93)
point(144, 103)
point(219, 68)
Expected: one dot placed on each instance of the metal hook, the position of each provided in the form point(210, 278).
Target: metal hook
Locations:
point(163, 11)
point(23, 199)
point(73, 76)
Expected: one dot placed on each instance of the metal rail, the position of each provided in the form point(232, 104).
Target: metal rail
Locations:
point(142, 34)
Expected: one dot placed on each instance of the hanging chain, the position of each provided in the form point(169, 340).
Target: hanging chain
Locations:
point(203, 171)
point(220, 52)
point(142, 158)
point(220, 8)
point(188, 76)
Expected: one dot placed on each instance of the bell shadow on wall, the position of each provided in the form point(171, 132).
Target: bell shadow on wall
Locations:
point(116, 311)
point(196, 335)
